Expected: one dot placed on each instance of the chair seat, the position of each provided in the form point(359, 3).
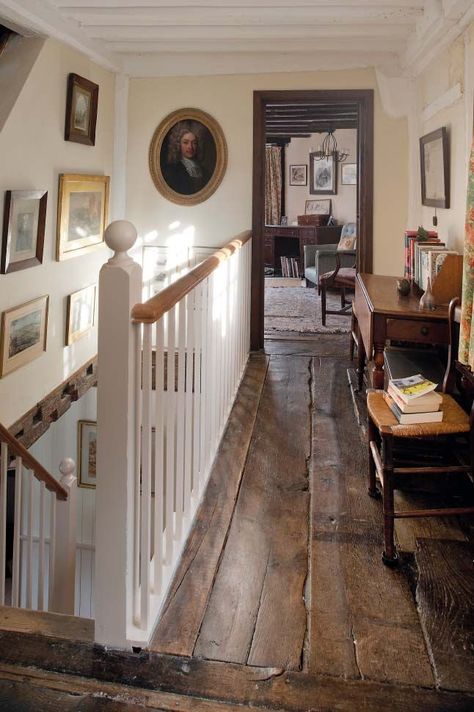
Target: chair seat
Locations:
point(455, 420)
point(344, 278)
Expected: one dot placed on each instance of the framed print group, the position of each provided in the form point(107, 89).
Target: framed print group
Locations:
point(434, 163)
point(80, 313)
point(82, 214)
point(87, 453)
point(23, 334)
point(81, 110)
point(23, 229)
point(323, 175)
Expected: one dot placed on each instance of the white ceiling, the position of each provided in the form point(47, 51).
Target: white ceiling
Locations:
point(166, 37)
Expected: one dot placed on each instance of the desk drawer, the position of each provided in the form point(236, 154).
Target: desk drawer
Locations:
point(427, 332)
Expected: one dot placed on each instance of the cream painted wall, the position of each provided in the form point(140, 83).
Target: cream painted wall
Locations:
point(344, 203)
point(33, 153)
point(449, 69)
point(229, 99)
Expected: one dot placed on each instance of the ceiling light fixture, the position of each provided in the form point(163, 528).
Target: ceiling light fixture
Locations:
point(328, 149)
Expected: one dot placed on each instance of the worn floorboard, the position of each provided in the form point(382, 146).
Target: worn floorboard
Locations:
point(184, 609)
point(445, 595)
point(261, 559)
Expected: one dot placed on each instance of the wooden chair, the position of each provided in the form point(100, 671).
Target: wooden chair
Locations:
point(397, 451)
point(341, 278)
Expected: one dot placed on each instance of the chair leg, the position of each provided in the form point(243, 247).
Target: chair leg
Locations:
point(389, 555)
point(343, 297)
point(323, 304)
point(371, 437)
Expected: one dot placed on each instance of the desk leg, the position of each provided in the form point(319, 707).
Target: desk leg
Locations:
point(360, 362)
point(378, 372)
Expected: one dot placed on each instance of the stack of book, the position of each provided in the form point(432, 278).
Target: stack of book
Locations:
point(414, 400)
point(290, 267)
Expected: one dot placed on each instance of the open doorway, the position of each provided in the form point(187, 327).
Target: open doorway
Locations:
point(305, 116)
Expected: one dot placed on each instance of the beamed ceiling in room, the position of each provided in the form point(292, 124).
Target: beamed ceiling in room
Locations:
point(191, 37)
point(289, 119)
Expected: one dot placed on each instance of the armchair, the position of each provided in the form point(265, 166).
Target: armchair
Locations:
point(319, 259)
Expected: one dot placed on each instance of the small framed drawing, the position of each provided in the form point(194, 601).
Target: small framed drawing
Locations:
point(317, 207)
point(23, 229)
point(87, 453)
point(434, 160)
point(323, 175)
point(187, 156)
point(82, 214)
point(349, 174)
point(81, 110)
point(80, 313)
point(23, 334)
point(299, 175)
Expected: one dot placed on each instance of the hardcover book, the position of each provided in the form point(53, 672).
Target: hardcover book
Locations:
point(424, 404)
point(412, 418)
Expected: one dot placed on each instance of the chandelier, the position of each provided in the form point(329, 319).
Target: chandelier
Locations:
point(328, 149)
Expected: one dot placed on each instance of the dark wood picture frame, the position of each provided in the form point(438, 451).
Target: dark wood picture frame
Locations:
point(434, 165)
point(322, 175)
point(294, 178)
point(23, 230)
point(81, 110)
point(168, 173)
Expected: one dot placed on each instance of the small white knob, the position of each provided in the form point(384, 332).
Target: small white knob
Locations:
point(67, 466)
point(120, 236)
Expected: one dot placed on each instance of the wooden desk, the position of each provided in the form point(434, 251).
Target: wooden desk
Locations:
point(290, 241)
point(382, 315)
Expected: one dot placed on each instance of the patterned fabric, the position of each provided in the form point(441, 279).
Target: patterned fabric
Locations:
point(273, 183)
point(466, 337)
point(348, 237)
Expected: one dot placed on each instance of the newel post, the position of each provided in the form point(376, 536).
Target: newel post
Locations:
point(120, 285)
point(64, 577)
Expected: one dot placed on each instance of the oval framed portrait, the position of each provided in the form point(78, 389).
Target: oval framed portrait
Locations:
point(188, 156)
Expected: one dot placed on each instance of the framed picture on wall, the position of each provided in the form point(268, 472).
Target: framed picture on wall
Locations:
point(23, 334)
point(24, 219)
point(434, 162)
point(87, 453)
point(81, 110)
point(323, 175)
point(317, 207)
point(299, 175)
point(82, 214)
point(349, 174)
point(80, 313)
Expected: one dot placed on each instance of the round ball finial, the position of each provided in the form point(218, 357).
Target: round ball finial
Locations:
point(67, 466)
point(120, 235)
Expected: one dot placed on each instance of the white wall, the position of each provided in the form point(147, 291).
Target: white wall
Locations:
point(344, 203)
point(229, 99)
point(33, 154)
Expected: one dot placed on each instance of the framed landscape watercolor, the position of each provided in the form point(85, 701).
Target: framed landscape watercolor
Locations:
point(87, 453)
point(299, 175)
point(81, 110)
point(82, 214)
point(187, 156)
point(434, 163)
point(323, 175)
point(23, 334)
point(24, 219)
point(317, 207)
point(349, 174)
point(80, 313)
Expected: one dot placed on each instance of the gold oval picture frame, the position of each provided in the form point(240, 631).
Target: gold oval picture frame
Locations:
point(188, 156)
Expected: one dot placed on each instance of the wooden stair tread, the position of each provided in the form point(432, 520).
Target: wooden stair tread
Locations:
point(445, 592)
point(56, 625)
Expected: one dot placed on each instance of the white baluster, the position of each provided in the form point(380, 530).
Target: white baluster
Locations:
point(3, 518)
point(17, 533)
point(65, 542)
point(41, 547)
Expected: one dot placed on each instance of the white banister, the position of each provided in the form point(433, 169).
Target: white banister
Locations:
point(120, 288)
point(64, 564)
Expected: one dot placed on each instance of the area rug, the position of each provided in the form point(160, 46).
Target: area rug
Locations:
point(298, 310)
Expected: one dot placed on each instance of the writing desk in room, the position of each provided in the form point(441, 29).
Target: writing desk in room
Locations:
point(383, 315)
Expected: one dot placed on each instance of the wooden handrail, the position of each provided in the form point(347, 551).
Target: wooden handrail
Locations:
point(32, 463)
point(152, 310)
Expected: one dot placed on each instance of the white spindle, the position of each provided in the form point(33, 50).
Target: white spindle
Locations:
point(198, 366)
point(3, 518)
point(206, 377)
point(29, 541)
point(41, 547)
point(52, 551)
point(145, 519)
point(136, 496)
point(180, 418)
point(65, 543)
point(188, 406)
point(170, 435)
point(159, 455)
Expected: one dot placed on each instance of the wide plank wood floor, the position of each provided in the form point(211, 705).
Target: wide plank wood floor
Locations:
point(281, 600)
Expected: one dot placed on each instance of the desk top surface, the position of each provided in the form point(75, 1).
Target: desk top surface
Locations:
point(382, 297)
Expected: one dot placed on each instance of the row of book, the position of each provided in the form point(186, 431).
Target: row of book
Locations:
point(424, 256)
point(414, 400)
point(290, 267)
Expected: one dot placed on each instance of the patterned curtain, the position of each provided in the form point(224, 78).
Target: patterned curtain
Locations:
point(466, 337)
point(273, 182)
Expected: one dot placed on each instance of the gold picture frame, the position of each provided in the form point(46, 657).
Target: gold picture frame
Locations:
point(83, 204)
point(196, 137)
point(23, 334)
point(86, 453)
point(81, 306)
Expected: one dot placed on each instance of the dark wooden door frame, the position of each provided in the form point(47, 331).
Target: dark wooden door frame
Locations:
point(364, 100)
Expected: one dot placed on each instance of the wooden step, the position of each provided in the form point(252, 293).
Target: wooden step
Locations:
point(56, 625)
